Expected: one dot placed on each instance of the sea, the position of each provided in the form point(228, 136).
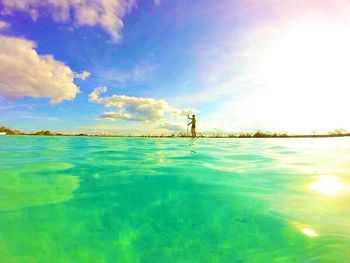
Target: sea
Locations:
point(164, 200)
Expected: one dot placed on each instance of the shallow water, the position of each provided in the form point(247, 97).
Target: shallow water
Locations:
point(80, 199)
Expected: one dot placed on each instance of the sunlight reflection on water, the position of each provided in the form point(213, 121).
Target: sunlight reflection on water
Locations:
point(309, 232)
point(329, 185)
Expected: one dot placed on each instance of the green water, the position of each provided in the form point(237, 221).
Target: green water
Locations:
point(73, 199)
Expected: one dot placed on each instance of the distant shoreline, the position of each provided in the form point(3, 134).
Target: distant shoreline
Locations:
point(4, 131)
point(185, 137)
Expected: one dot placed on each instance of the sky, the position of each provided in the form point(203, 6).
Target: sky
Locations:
point(139, 67)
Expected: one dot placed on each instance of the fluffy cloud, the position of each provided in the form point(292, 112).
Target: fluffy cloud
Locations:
point(83, 75)
point(23, 72)
point(107, 14)
point(4, 25)
point(182, 113)
point(171, 126)
point(136, 109)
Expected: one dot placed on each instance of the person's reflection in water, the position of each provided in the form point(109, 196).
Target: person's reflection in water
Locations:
point(192, 146)
point(193, 125)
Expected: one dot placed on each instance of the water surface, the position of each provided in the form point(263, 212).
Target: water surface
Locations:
point(82, 199)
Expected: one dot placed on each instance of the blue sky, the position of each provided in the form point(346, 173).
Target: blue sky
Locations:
point(239, 65)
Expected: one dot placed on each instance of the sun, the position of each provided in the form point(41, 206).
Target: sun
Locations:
point(313, 56)
point(304, 74)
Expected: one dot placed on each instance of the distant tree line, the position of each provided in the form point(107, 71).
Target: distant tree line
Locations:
point(257, 134)
point(10, 132)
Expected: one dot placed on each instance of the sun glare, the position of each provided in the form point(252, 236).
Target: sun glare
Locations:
point(328, 185)
point(309, 232)
point(304, 72)
point(314, 54)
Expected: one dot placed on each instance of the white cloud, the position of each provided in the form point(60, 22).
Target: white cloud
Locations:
point(4, 25)
point(131, 108)
point(83, 75)
point(113, 116)
point(182, 113)
point(135, 108)
point(95, 95)
point(171, 126)
point(107, 14)
point(23, 72)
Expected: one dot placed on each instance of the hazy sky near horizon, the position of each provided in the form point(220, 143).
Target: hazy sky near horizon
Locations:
point(131, 67)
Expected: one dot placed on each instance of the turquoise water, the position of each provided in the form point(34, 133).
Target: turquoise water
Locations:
point(79, 199)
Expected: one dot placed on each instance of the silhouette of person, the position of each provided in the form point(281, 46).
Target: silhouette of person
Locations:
point(193, 125)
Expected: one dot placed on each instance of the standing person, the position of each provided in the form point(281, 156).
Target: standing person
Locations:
point(193, 126)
